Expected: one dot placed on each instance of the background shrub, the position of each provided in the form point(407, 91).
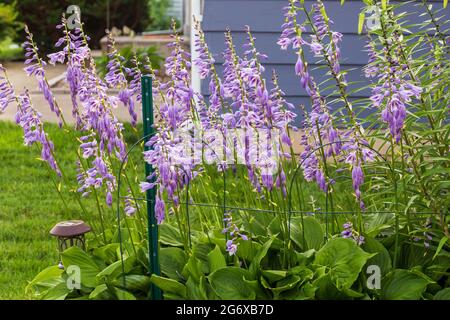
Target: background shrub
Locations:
point(41, 17)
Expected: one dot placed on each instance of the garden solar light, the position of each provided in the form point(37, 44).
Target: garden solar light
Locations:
point(70, 233)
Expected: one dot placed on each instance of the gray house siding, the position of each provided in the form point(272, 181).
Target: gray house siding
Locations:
point(265, 19)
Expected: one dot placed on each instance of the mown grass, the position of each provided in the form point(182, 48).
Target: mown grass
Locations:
point(30, 206)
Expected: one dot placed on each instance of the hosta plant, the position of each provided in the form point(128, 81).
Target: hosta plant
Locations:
point(242, 213)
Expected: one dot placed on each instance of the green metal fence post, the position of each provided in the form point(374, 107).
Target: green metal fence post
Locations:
point(147, 112)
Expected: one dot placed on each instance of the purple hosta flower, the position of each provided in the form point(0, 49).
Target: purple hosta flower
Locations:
point(321, 180)
point(372, 68)
point(393, 91)
point(91, 103)
point(289, 34)
point(109, 198)
point(320, 119)
point(59, 56)
point(426, 234)
point(315, 46)
point(351, 233)
point(231, 247)
point(136, 74)
point(232, 73)
point(160, 209)
point(33, 130)
point(99, 174)
point(76, 53)
point(116, 77)
point(326, 46)
point(126, 97)
point(267, 165)
point(335, 52)
point(205, 61)
point(281, 181)
point(96, 177)
point(89, 148)
point(81, 179)
point(130, 204)
point(6, 90)
point(358, 180)
point(320, 21)
point(144, 186)
point(97, 114)
point(357, 153)
point(233, 231)
point(35, 67)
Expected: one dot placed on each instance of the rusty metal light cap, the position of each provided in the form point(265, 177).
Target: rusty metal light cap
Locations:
point(70, 228)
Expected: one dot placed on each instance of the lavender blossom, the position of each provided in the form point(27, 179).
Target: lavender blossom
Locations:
point(351, 233)
point(6, 90)
point(233, 231)
point(130, 204)
point(35, 67)
point(33, 129)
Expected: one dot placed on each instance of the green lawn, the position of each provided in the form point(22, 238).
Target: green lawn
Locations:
point(30, 206)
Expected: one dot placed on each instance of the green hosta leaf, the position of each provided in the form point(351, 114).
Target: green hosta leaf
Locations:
point(345, 260)
point(193, 268)
point(274, 275)
point(216, 259)
point(440, 246)
point(286, 284)
point(248, 249)
point(58, 292)
point(314, 235)
point(133, 282)
point(326, 289)
point(305, 258)
point(123, 294)
point(257, 224)
point(228, 283)
point(256, 263)
point(196, 291)
point(99, 292)
point(107, 253)
point(404, 285)
point(445, 3)
point(361, 19)
point(172, 262)
point(442, 295)
point(47, 278)
point(382, 258)
point(169, 235)
point(169, 286)
point(256, 286)
point(116, 269)
point(88, 268)
point(201, 251)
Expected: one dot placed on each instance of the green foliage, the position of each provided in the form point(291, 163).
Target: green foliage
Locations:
point(8, 23)
point(93, 15)
point(230, 283)
point(344, 260)
point(157, 12)
point(10, 50)
point(122, 279)
point(404, 285)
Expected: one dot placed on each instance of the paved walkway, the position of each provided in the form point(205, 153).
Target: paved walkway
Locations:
point(20, 80)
